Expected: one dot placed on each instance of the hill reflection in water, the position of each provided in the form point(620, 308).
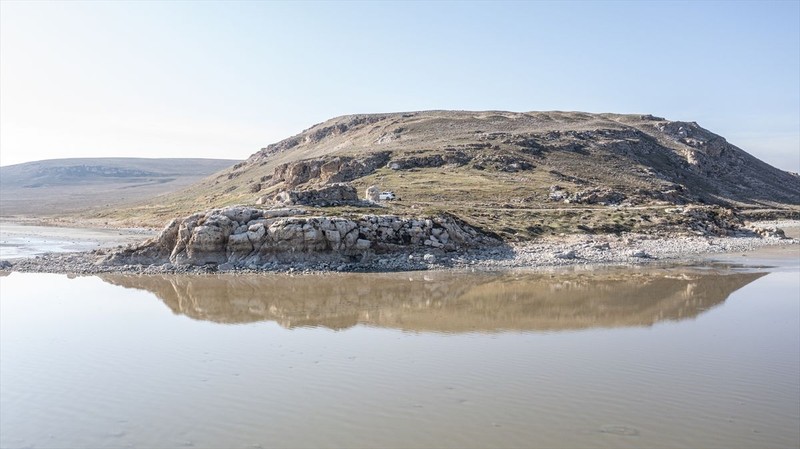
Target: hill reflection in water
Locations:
point(447, 302)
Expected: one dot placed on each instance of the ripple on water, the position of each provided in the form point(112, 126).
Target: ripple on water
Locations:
point(105, 366)
point(625, 431)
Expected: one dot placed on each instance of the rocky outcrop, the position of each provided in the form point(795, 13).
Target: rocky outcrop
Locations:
point(459, 157)
point(244, 236)
point(332, 195)
point(598, 195)
point(502, 162)
point(373, 193)
point(769, 231)
point(429, 161)
point(594, 195)
point(704, 147)
point(318, 133)
point(712, 220)
point(328, 170)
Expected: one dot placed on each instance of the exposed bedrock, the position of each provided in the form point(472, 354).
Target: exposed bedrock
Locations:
point(328, 170)
point(329, 195)
point(243, 236)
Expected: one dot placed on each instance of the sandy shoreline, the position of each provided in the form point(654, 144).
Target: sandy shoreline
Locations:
point(72, 250)
point(23, 240)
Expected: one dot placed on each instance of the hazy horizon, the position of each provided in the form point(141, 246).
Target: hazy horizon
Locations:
point(222, 80)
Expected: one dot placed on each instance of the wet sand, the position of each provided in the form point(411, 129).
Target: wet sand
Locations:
point(23, 240)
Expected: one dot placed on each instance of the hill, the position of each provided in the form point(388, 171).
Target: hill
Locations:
point(60, 186)
point(517, 174)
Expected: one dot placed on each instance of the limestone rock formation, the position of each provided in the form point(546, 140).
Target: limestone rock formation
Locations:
point(712, 220)
point(594, 195)
point(373, 193)
point(330, 195)
point(327, 169)
point(242, 236)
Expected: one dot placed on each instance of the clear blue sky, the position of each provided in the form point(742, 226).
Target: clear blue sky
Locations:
point(205, 79)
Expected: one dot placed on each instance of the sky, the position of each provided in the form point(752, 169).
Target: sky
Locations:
point(224, 79)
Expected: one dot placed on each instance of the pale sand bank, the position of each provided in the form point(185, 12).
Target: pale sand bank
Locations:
point(21, 240)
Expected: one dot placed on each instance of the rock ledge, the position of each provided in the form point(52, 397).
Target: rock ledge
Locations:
point(243, 236)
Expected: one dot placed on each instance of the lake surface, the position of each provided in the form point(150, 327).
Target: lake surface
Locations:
point(682, 357)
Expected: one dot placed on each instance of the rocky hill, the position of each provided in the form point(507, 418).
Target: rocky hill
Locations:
point(58, 186)
point(518, 175)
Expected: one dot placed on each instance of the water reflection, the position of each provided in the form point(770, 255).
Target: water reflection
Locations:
point(446, 302)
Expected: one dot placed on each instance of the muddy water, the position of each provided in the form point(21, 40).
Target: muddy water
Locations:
point(682, 357)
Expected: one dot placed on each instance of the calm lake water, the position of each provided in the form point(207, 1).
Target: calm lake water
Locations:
point(684, 357)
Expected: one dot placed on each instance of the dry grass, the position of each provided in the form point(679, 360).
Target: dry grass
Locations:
point(575, 150)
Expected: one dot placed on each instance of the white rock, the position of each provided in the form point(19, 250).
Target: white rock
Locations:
point(567, 254)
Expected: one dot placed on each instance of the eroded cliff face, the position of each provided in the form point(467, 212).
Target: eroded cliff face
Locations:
point(243, 236)
point(327, 169)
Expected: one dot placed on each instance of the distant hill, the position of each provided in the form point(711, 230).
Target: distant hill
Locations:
point(58, 186)
point(505, 171)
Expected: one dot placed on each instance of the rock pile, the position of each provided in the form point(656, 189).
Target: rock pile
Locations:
point(242, 236)
point(769, 231)
point(594, 195)
point(712, 220)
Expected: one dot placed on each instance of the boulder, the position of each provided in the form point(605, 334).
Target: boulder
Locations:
point(373, 194)
point(597, 195)
point(558, 194)
point(566, 254)
point(771, 231)
point(207, 244)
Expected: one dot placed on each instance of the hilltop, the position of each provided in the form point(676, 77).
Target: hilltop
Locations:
point(59, 186)
point(516, 175)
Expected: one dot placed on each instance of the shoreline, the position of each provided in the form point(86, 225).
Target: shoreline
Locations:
point(24, 239)
point(589, 251)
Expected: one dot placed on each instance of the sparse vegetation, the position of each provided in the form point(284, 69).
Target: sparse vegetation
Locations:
point(60, 186)
point(497, 171)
